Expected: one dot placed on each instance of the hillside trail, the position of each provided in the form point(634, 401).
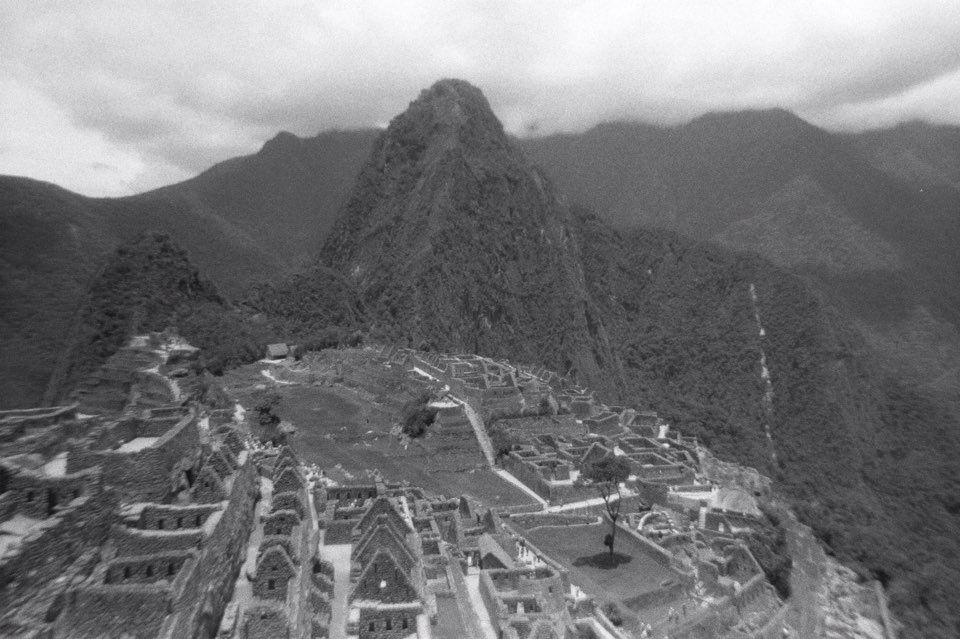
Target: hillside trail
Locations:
point(767, 401)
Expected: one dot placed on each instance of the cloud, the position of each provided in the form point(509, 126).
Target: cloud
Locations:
point(167, 89)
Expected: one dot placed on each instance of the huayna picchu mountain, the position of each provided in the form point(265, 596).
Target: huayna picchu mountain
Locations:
point(455, 241)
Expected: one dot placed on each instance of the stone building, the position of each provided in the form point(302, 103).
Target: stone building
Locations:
point(168, 566)
point(286, 590)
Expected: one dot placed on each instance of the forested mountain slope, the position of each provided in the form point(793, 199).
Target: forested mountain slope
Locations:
point(866, 454)
point(243, 221)
point(842, 211)
point(454, 241)
point(149, 284)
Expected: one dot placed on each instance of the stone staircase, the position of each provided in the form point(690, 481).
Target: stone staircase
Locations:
point(486, 445)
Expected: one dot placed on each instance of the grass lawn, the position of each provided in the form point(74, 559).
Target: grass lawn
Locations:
point(580, 549)
point(343, 426)
point(348, 423)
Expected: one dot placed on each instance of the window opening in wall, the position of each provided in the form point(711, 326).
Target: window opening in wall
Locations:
point(126, 572)
point(179, 522)
point(170, 569)
point(373, 626)
point(271, 584)
point(403, 624)
point(389, 624)
point(149, 571)
point(29, 495)
point(198, 520)
point(159, 524)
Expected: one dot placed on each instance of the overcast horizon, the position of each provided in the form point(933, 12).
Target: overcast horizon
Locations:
point(111, 98)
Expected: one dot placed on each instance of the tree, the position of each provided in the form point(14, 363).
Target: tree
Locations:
point(607, 474)
point(417, 415)
point(268, 422)
point(503, 441)
point(266, 410)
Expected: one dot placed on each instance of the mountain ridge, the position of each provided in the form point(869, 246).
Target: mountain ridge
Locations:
point(450, 238)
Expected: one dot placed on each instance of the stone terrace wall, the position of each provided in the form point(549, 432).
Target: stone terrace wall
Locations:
point(14, 423)
point(223, 554)
point(147, 606)
point(45, 554)
point(188, 606)
point(145, 475)
point(553, 493)
point(132, 541)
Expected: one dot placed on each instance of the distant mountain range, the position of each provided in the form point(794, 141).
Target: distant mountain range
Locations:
point(642, 260)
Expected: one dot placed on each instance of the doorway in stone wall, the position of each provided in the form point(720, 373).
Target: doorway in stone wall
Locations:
point(51, 501)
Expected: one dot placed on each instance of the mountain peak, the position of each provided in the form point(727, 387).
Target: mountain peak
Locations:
point(452, 238)
point(751, 122)
point(450, 110)
point(281, 142)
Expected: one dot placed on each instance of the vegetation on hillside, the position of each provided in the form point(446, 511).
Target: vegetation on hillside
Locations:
point(454, 242)
point(417, 415)
point(865, 456)
point(149, 284)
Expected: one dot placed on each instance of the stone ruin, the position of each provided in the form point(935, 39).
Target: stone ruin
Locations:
point(135, 512)
point(148, 519)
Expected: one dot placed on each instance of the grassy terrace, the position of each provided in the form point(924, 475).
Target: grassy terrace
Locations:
point(350, 426)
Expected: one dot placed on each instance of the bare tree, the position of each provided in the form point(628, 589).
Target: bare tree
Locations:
point(607, 474)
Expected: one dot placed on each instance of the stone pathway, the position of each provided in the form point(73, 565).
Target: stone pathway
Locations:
point(339, 556)
point(479, 429)
point(476, 600)
point(506, 476)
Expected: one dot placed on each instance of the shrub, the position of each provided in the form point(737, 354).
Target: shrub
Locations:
point(417, 415)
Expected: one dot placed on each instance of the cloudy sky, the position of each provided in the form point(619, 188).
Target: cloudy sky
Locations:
point(111, 98)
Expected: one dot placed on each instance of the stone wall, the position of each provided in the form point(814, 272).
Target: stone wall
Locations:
point(14, 423)
point(147, 474)
point(174, 517)
point(533, 478)
point(43, 554)
point(388, 623)
point(186, 601)
point(146, 568)
point(203, 599)
point(146, 606)
point(265, 622)
point(41, 496)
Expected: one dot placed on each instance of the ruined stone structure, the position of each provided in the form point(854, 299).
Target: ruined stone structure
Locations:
point(285, 590)
point(528, 602)
point(135, 522)
point(172, 559)
point(551, 464)
point(143, 373)
point(156, 517)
